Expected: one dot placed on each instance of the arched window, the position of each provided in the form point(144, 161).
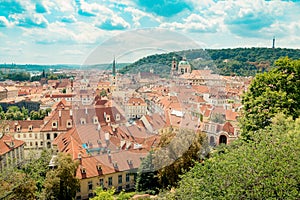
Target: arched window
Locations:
point(48, 145)
point(223, 139)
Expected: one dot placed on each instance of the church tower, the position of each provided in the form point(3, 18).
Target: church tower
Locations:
point(174, 66)
point(113, 81)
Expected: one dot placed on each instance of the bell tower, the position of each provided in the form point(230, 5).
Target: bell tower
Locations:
point(174, 66)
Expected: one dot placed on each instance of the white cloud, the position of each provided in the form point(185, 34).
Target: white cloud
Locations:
point(76, 33)
point(61, 5)
point(194, 23)
point(72, 52)
point(4, 22)
point(138, 14)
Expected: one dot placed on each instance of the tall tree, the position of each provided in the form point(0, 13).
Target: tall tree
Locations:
point(61, 182)
point(265, 168)
point(270, 93)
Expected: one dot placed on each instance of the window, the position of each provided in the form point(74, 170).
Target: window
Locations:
point(54, 124)
point(82, 121)
point(48, 136)
point(120, 179)
point(101, 182)
point(127, 177)
point(69, 123)
point(36, 136)
point(120, 188)
point(30, 135)
point(42, 143)
point(127, 187)
point(55, 135)
point(95, 119)
point(110, 181)
point(18, 135)
point(90, 185)
point(24, 136)
point(206, 127)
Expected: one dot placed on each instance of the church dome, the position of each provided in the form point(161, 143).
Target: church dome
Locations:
point(183, 62)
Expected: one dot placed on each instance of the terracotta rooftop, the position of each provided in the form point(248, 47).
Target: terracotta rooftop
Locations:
point(8, 143)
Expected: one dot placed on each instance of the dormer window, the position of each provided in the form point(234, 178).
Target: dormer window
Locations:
point(107, 118)
point(7, 129)
point(117, 117)
point(30, 128)
point(83, 170)
point(54, 124)
point(95, 120)
point(99, 167)
point(18, 128)
point(82, 121)
point(69, 123)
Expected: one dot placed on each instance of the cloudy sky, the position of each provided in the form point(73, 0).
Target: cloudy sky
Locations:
point(68, 31)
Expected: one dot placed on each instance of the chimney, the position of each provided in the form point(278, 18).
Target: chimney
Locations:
point(59, 113)
point(86, 111)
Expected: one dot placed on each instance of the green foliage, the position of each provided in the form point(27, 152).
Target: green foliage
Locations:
point(146, 177)
point(109, 194)
point(238, 61)
point(270, 93)
point(104, 194)
point(17, 76)
point(26, 182)
point(183, 150)
point(61, 183)
point(15, 113)
point(37, 167)
point(177, 152)
point(103, 93)
point(125, 195)
point(265, 168)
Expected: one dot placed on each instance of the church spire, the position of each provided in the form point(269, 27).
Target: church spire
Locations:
point(114, 67)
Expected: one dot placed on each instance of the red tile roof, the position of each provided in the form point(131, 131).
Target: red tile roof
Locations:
point(8, 143)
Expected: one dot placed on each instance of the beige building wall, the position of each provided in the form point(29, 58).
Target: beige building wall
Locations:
point(120, 181)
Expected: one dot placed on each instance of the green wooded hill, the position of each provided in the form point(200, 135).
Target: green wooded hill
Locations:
point(237, 61)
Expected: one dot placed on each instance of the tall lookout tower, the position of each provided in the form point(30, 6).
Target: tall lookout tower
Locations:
point(273, 46)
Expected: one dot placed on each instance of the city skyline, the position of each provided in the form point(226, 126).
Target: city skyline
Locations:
point(66, 32)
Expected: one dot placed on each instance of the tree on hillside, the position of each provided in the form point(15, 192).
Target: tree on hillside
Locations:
point(37, 167)
point(61, 182)
point(146, 176)
point(265, 168)
point(194, 148)
point(177, 152)
point(270, 93)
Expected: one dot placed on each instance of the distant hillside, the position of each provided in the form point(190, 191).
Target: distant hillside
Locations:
point(238, 61)
point(35, 67)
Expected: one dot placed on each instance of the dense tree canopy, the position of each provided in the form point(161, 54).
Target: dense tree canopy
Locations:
point(15, 113)
point(270, 93)
point(237, 61)
point(25, 182)
point(61, 183)
point(178, 150)
point(265, 168)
